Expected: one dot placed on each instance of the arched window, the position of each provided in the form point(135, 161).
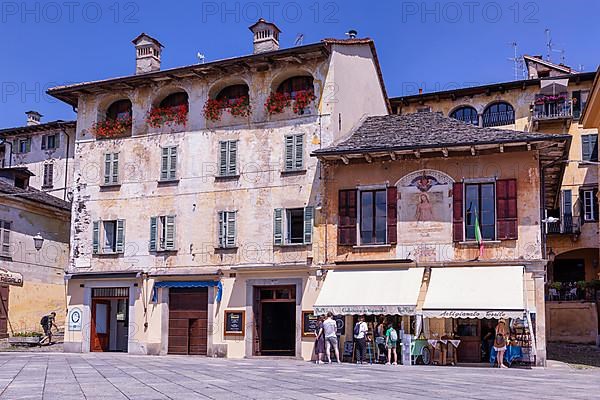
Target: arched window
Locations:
point(499, 114)
point(120, 109)
point(296, 84)
point(231, 94)
point(466, 114)
point(175, 100)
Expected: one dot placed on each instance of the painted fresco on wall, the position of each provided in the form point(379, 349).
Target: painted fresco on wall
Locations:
point(425, 216)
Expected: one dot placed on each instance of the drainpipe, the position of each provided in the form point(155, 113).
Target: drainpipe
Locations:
point(66, 164)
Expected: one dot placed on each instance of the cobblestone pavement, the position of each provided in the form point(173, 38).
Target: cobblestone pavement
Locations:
point(51, 376)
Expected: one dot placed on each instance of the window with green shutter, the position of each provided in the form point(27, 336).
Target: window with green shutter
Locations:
point(111, 169)
point(48, 180)
point(162, 233)
point(5, 238)
point(228, 158)
point(108, 237)
point(294, 152)
point(293, 226)
point(168, 166)
point(227, 229)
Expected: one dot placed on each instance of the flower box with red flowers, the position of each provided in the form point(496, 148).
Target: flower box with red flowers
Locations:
point(213, 109)
point(302, 100)
point(113, 128)
point(239, 107)
point(550, 99)
point(277, 102)
point(160, 116)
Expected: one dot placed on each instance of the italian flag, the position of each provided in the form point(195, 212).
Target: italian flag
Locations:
point(478, 236)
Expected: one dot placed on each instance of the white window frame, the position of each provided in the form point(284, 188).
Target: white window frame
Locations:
point(589, 202)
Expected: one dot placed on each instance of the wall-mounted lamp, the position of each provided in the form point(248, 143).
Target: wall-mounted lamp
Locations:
point(38, 241)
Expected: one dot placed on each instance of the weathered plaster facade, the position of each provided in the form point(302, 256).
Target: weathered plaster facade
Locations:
point(339, 70)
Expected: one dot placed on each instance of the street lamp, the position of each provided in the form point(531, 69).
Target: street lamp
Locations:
point(38, 241)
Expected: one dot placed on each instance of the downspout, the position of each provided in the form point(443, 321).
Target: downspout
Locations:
point(66, 164)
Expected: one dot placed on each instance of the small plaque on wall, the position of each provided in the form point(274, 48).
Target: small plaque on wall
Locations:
point(235, 322)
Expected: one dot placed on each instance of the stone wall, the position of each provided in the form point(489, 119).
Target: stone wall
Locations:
point(572, 322)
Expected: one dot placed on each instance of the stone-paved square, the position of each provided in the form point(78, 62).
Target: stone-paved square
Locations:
point(52, 376)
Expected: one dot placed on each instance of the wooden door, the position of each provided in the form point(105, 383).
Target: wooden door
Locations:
point(188, 321)
point(100, 332)
point(4, 311)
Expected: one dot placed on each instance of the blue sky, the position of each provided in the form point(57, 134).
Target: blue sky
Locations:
point(429, 44)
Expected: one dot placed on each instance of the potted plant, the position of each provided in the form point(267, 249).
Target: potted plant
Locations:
point(277, 102)
point(112, 128)
point(175, 115)
point(302, 100)
point(556, 285)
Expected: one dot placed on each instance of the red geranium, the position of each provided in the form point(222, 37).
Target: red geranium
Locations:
point(160, 116)
point(213, 109)
point(277, 102)
point(302, 99)
point(239, 107)
point(112, 128)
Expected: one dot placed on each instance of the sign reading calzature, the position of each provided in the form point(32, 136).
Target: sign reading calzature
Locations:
point(10, 278)
point(367, 310)
point(479, 314)
point(75, 318)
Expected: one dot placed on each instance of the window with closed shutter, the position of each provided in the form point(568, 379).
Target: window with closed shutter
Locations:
point(111, 168)
point(294, 152)
point(227, 229)
point(506, 209)
point(228, 158)
point(589, 147)
point(168, 165)
point(347, 211)
point(457, 212)
point(5, 238)
point(48, 180)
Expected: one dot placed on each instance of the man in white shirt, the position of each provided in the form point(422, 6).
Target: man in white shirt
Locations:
point(330, 332)
point(360, 338)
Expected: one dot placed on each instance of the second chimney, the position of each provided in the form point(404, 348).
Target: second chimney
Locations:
point(266, 36)
point(147, 54)
point(33, 118)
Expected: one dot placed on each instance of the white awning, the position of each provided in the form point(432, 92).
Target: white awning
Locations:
point(392, 292)
point(475, 292)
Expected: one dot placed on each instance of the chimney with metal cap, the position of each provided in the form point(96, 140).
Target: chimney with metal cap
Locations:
point(33, 118)
point(147, 54)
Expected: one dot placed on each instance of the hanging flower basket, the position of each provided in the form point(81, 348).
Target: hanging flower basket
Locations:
point(213, 109)
point(302, 100)
point(112, 128)
point(240, 107)
point(160, 116)
point(277, 102)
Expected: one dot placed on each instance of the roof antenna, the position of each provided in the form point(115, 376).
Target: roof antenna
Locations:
point(548, 45)
point(518, 61)
point(299, 39)
point(201, 57)
point(352, 34)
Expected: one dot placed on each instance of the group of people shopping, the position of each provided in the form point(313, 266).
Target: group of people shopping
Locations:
point(385, 338)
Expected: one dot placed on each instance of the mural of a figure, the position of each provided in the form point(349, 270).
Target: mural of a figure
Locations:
point(424, 209)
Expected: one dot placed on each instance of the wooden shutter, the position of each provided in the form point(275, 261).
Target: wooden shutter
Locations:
point(223, 158)
point(278, 227)
point(594, 147)
point(392, 215)
point(221, 232)
point(299, 151)
point(586, 154)
point(232, 158)
point(56, 140)
point(230, 229)
point(164, 165)
point(347, 211)
point(96, 237)
point(289, 153)
point(44, 142)
point(28, 145)
point(506, 209)
point(120, 244)
point(173, 162)
point(170, 232)
point(115, 168)
point(6, 238)
point(457, 212)
point(107, 168)
point(309, 215)
point(153, 233)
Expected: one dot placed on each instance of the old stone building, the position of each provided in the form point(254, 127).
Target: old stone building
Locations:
point(438, 225)
point(196, 199)
point(34, 250)
point(45, 149)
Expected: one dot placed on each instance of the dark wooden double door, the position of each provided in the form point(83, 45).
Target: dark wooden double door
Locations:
point(275, 321)
point(4, 312)
point(188, 321)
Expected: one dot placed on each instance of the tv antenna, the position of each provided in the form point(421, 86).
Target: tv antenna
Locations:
point(548, 45)
point(299, 39)
point(201, 57)
point(517, 60)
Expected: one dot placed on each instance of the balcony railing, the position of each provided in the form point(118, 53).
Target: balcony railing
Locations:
point(500, 118)
point(553, 111)
point(573, 291)
point(565, 226)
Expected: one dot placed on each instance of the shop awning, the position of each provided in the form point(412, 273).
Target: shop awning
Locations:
point(475, 292)
point(187, 284)
point(393, 292)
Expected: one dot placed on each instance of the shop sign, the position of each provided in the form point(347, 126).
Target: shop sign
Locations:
point(235, 322)
point(366, 310)
point(10, 278)
point(75, 318)
point(310, 322)
point(479, 314)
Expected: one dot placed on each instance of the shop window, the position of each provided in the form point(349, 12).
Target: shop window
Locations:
point(466, 114)
point(227, 229)
point(162, 233)
point(589, 147)
point(50, 142)
point(480, 214)
point(293, 226)
point(108, 237)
